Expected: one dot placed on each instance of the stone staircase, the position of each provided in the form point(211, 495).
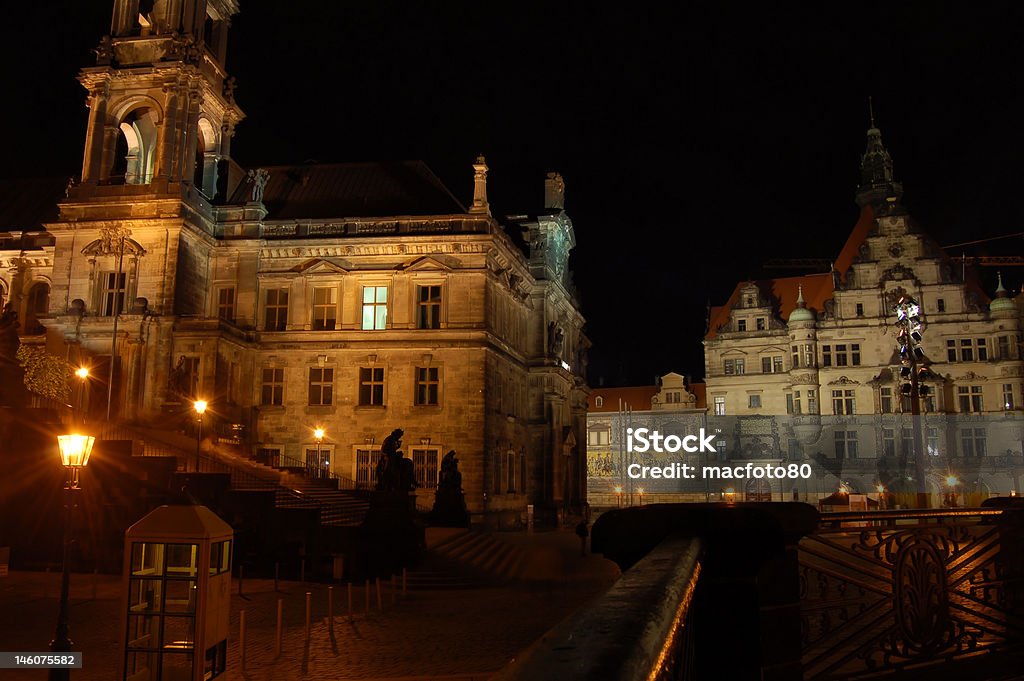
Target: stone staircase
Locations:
point(467, 558)
point(337, 506)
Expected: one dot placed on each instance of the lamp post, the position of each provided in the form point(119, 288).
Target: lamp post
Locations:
point(200, 407)
point(74, 455)
point(640, 491)
point(881, 497)
point(319, 435)
point(83, 376)
point(908, 316)
point(952, 481)
point(618, 494)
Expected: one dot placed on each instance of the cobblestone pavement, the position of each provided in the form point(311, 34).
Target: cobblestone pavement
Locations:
point(458, 634)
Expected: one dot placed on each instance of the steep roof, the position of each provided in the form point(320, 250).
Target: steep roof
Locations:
point(339, 190)
point(784, 291)
point(28, 203)
point(638, 397)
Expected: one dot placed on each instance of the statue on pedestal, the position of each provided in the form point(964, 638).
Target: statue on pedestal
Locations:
point(394, 471)
point(449, 501)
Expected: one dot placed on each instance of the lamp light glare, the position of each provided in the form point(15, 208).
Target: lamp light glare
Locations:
point(200, 406)
point(75, 449)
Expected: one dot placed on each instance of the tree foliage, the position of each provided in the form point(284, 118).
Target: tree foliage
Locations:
point(45, 374)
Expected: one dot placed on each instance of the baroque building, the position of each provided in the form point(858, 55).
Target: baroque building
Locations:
point(809, 368)
point(357, 298)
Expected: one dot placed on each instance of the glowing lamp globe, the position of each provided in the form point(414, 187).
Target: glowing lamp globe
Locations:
point(75, 449)
point(200, 406)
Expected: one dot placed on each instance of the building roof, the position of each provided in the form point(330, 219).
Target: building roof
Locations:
point(638, 398)
point(26, 204)
point(169, 522)
point(339, 190)
point(784, 291)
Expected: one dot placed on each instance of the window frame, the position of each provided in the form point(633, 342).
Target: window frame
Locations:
point(426, 378)
point(377, 308)
point(275, 386)
point(324, 314)
point(369, 385)
point(280, 309)
point(429, 309)
point(323, 384)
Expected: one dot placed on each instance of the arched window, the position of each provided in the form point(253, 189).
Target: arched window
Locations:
point(135, 156)
point(38, 306)
point(205, 174)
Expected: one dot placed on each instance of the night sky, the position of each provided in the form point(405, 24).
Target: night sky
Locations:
point(696, 141)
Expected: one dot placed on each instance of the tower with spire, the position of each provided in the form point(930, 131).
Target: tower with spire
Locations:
point(877, 182)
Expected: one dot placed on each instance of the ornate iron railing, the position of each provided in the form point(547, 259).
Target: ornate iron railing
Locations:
point(892, 591)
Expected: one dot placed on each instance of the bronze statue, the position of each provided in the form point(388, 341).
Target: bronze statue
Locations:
point(449, 501)
point(394, 471)
point(451, 478)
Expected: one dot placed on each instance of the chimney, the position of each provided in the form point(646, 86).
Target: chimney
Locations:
point(554, 192)
point(480, 205)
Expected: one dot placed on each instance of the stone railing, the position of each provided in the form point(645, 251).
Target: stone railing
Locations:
point(640, 629)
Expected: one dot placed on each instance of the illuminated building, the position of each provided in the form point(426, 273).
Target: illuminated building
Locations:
point(808, 368)
point(354, 297)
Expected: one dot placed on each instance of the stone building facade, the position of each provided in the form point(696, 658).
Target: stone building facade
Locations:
point(356, 298)
point(808, 368)
point(674, 406)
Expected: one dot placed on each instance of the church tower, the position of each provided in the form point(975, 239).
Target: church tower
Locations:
point(136, 229)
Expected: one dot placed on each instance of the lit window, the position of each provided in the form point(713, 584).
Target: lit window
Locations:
point(427, 384)
point(275, 311)
point(321, 386)
point(371, 386)
point(598, 401)
point(325, 308)
point(375, 307)
point(272, 388)
point(428, 304)
point(720, 405)
point(1007, 396)
point(226, 304)
point(812, 401)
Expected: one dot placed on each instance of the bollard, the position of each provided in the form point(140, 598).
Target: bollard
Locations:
point(330, 609)
point(280, 613)
point(308, 597)
point(350, 600)
point(403, 581)
point(380, 605)
point(277, 573)
point(393, 590)
point(241, 636)
point(366, 593)
point(241, 578)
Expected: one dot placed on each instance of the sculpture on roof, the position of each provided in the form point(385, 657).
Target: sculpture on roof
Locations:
point(259, 178)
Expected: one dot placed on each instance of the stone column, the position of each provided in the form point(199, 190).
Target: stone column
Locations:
point(94, 135)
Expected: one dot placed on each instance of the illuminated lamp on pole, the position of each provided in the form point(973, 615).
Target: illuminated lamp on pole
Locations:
point(74, 456)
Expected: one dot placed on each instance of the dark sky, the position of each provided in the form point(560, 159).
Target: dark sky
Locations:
point(696, 141)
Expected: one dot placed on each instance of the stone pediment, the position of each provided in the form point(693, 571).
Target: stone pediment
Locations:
point(844, 380)
point(104, 247)
point(971, 376)
point(320, 266)
point(427, 263)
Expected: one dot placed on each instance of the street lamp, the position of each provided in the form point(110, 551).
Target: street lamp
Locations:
point(74, 455)
point(618, 494)
point(200, 407)
point(640, 491)
point(952, 481)
point(319, 435)
point(83, 376)
point(730, 495)
point(881, 496)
